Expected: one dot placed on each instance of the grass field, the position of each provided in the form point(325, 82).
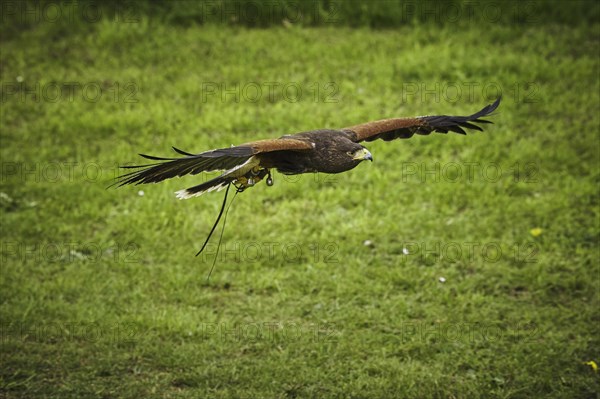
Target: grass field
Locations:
point(450, 267)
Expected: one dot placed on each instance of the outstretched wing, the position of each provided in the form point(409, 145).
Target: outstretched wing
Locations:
point(228, 159)
point(404, 128)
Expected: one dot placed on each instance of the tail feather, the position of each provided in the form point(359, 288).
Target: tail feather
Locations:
point(216, 184)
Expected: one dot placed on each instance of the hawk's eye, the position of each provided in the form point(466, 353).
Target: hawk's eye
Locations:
point(351, 153)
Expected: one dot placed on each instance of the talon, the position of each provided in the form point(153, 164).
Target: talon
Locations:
point(256, 171)
point(269, 180)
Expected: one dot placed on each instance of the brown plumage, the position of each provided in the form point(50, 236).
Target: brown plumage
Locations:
point(326, 151)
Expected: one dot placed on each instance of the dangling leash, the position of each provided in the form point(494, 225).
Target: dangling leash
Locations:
point(238, 190)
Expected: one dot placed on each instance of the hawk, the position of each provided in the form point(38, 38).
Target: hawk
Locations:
point(322, 150)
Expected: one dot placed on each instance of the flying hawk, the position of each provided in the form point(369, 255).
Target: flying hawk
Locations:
point(323, 150)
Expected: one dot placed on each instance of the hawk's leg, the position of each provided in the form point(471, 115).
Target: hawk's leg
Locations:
point(252, 177)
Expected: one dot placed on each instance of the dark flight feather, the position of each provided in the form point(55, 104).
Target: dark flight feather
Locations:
point(403, 128)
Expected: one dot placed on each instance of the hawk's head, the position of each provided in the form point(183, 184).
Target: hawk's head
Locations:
point(360, 154)
point(343, 155)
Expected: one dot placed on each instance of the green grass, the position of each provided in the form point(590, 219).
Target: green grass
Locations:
point(101, 295)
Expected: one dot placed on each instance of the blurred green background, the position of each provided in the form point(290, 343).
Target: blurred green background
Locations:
point(451, 267)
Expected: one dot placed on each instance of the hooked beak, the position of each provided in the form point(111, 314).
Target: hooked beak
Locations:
point(363, 155)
